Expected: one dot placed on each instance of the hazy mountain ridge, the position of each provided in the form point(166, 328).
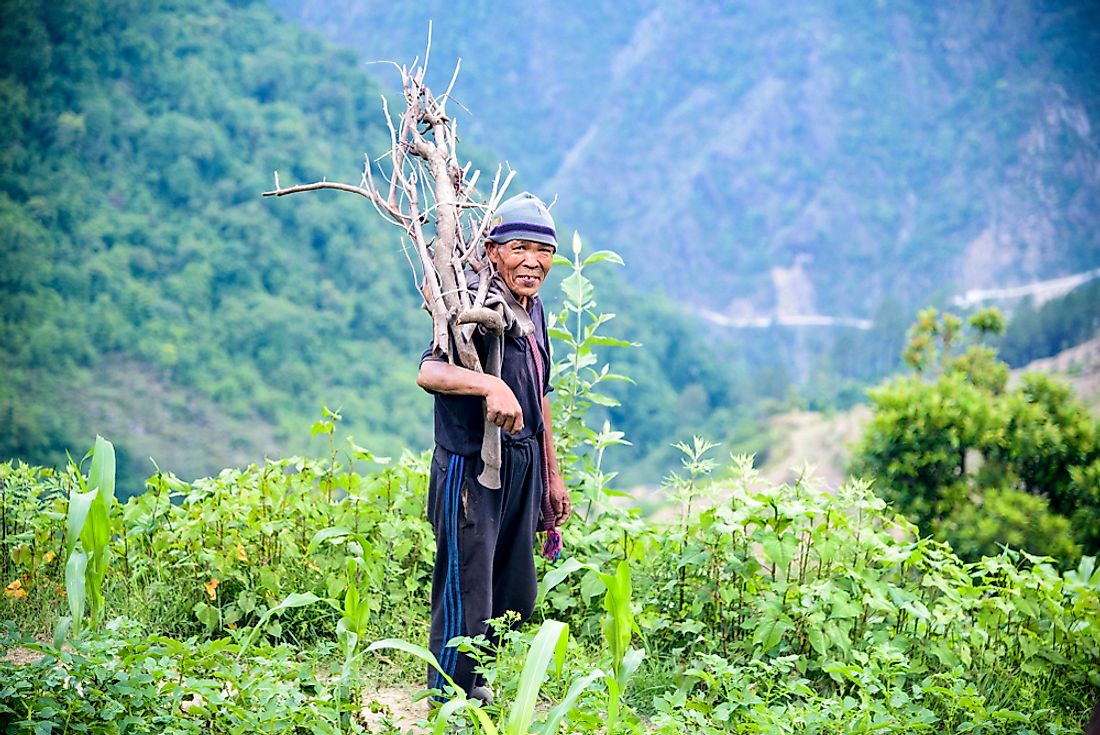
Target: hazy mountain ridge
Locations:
point(896, 150)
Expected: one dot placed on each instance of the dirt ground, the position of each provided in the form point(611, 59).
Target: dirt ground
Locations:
point(21, 656)
point(393, 706)
point(823, 442)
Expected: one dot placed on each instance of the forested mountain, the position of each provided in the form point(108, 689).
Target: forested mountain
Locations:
point(785, 157)
point(148, 293)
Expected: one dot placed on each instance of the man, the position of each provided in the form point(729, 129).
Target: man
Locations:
point(485, 535)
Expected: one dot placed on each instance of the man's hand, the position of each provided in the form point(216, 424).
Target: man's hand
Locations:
point(559, 499)
point(502, 408)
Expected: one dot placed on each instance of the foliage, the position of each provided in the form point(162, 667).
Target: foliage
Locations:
point(136, 242)
point(768, 609)
point(578, 377)
point(872, 148)
point(130, 679)
point(760, 609)
point(87, 539)
point(954, 447)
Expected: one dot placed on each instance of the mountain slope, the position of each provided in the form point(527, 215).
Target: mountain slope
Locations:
point(822, 156)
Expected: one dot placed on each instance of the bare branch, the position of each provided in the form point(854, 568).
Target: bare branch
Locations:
point(454, 77)
point(279, 192)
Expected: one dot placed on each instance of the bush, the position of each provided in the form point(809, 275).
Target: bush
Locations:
point(956, 450)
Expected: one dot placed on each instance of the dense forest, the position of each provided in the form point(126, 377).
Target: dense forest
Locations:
point(1036, 332)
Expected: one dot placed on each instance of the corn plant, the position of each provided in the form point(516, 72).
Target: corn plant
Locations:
point(294, 599)
point(87, 540)
point(547, 647)
point(459, 703)
point(355, 608)
point(618, 627)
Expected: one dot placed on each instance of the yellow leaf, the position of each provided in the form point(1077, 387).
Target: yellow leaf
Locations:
point(240, 553)
point(50, 556)
point(211, 588)
point(15, 589)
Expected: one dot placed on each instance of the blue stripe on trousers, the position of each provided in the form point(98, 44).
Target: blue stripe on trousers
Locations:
point(452, 591)
point(460, 468)
point(447, 625)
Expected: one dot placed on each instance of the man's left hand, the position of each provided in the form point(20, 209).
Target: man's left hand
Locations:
point(559, 499)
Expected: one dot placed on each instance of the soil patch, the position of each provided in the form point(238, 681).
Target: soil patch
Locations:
point(393, 707)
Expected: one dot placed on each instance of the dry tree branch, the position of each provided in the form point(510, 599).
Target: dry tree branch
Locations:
point(426, 193)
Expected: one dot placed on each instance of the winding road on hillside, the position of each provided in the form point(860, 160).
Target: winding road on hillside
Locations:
point(1040, 291)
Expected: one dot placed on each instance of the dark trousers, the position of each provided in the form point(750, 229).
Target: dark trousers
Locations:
point(484, 550)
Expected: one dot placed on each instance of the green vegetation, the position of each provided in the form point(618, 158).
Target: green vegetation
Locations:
point(774, 607)
point(977, 463)
point(134, 250)
point(134, 237)
point(710, 143)
point(243, 602)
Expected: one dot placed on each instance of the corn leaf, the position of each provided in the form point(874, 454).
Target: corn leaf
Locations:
point(557, 714)
point(102, 473)
point(294, 599)
point(419, 651)
point(555, 576)
point(549, 642)
point(79, 505)
point(453, 706)
point(75, 569)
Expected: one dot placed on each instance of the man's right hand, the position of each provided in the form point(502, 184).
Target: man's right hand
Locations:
point(502, 408)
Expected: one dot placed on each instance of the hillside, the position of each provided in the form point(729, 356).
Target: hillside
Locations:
point(1079, 366)
point(824, 441)
point(148, 292)
point(809, 159)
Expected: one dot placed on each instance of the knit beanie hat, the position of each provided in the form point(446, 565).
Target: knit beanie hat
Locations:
point(523, 217)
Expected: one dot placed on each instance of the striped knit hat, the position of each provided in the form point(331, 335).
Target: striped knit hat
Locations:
point(523, 217)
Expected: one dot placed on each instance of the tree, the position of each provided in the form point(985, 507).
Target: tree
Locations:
point(976, 462)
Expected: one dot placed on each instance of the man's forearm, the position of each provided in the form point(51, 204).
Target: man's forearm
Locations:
point(453, 380)
point(501, 406)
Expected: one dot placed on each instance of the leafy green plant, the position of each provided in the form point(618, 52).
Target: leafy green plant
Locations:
point(548, 646)
point(578, 376)
point(765, 608)
point(618, 627)
point(124, 678)
point(87, 540)
point(952, 441)
point(355, 607)
point(458, 702)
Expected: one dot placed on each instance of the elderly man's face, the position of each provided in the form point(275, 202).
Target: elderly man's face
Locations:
point(522, 264)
